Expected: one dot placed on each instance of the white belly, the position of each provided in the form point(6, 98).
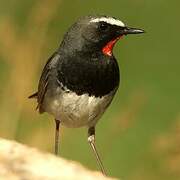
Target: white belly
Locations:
point(78, 110)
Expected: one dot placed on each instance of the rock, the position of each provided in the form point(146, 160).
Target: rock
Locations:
point(20, 162)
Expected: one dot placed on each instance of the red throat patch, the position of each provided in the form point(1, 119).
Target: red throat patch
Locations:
point(108, 48)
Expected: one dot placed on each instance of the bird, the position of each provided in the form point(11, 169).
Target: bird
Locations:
point(82, 76)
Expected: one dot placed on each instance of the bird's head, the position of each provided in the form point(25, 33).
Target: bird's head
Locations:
point(97, 33)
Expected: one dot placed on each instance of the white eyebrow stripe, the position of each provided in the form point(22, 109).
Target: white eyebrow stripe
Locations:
point(109, 20)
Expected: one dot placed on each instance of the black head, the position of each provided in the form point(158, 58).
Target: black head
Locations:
point(87, 64)
point(94, 33)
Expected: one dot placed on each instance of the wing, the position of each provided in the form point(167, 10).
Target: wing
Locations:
point(43, 82)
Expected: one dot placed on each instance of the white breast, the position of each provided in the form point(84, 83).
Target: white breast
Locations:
point(78, 110)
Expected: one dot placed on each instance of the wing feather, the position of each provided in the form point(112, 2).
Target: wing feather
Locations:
point(43, 83)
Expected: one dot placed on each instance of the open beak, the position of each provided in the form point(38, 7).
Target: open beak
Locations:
point(128, 30)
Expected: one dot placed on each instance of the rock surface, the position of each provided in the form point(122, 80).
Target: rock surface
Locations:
point(19, 162)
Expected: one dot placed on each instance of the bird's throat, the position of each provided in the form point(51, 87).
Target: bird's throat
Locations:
point(108, 48)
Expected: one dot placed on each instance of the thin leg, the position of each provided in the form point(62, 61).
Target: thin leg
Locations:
point(57, 137)
point(91, 140)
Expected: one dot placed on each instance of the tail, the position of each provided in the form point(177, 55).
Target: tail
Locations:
point(33, 95)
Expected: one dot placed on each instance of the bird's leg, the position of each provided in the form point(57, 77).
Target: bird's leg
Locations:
point(91, 140)
point(56, 150)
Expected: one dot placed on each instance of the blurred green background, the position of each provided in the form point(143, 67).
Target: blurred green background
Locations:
point(139, 135)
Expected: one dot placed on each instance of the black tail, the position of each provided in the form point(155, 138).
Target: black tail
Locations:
point(33, 95)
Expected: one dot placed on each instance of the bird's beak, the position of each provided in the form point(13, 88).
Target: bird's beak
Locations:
point(128, 30)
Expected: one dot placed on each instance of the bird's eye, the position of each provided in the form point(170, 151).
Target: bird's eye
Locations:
point(103, 26)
